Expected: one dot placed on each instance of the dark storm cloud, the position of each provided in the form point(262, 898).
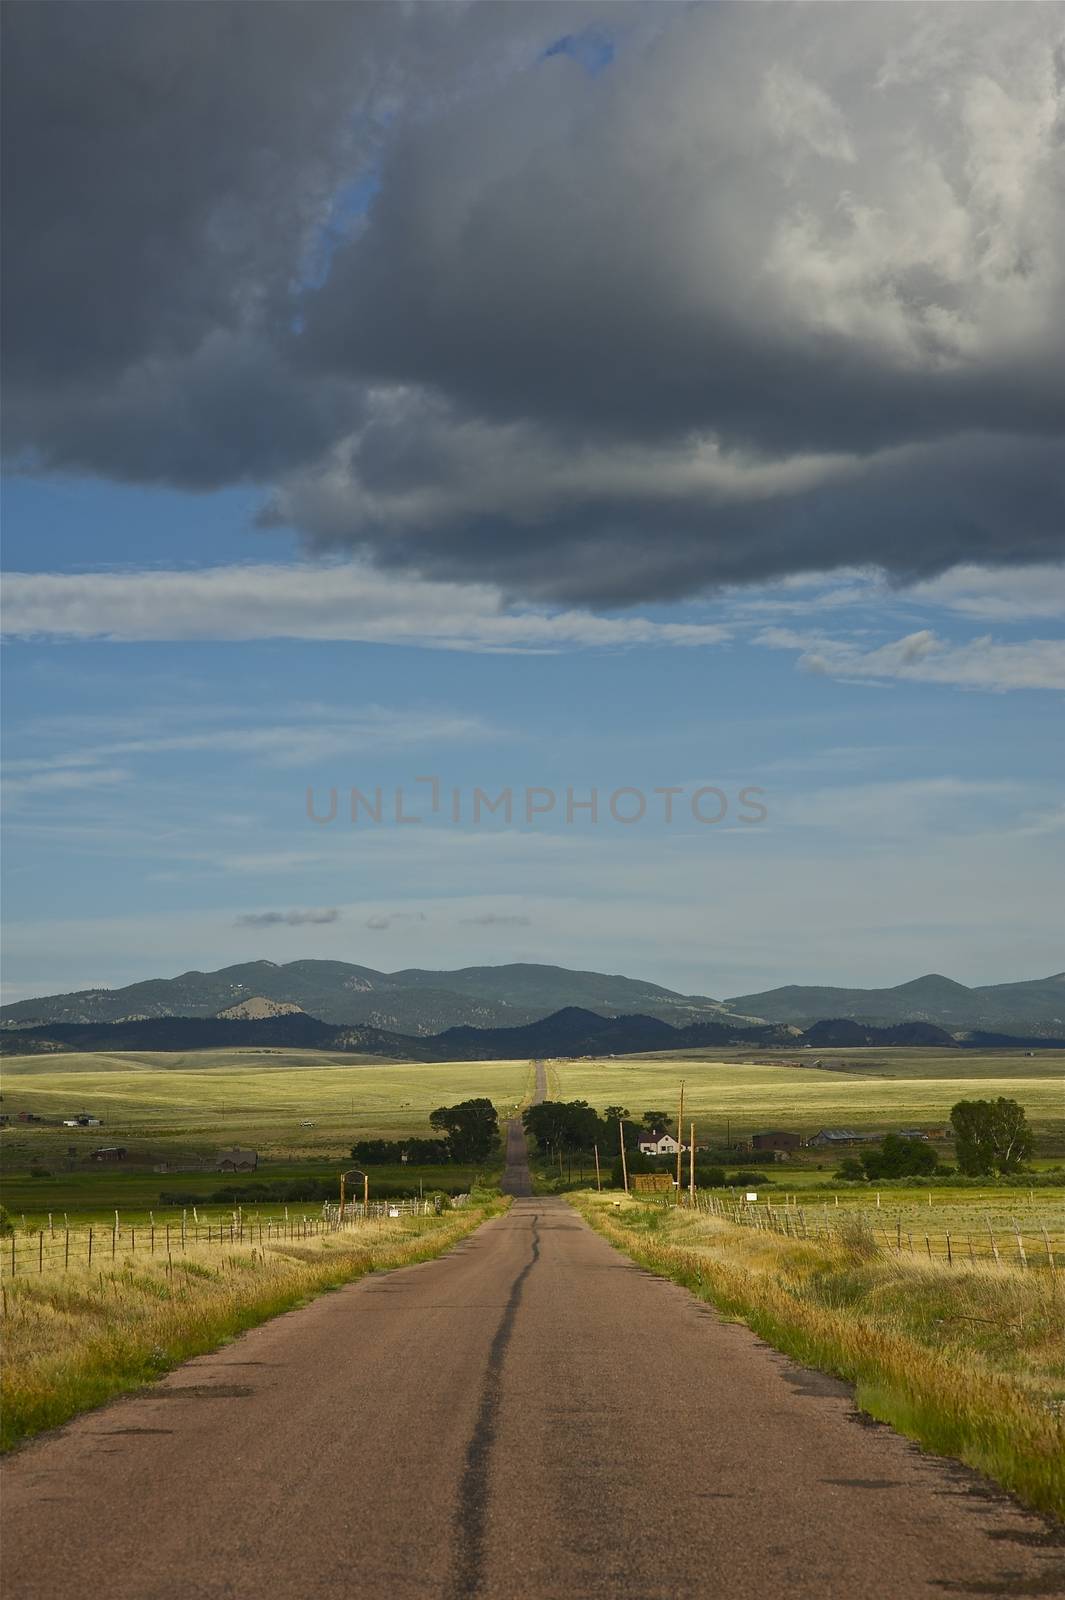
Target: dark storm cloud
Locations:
point(774, 290)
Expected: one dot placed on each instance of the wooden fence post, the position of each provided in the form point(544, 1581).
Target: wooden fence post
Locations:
point(66, 1251)
point(90, 1247)
point(40, 1251)
point(1050, 1253)
point(1020, 1243)
point(994, 1246)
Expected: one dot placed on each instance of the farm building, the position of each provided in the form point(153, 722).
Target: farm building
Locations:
point(837, 1136)
point(657, 1143)
point(111, 1152)
point(776, 1141)
point(236, 1161)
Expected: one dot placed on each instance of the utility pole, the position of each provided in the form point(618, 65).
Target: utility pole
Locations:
point(680, 1137)
point(691, 1169)
point(621, 1145)
point(598, 1180)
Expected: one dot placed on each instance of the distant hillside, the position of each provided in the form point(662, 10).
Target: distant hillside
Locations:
point(291, 1030)
point(570, 1032)
point(413, 1001)
point(256, 1007)
point(1035, 1008)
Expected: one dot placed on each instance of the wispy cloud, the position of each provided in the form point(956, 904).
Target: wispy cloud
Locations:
point(906, 807)
point(284, 737)
point(62, 778)
point(304, 601)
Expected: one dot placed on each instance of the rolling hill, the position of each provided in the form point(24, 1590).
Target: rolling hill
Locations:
point(1036, 1007)
point(572, 1031)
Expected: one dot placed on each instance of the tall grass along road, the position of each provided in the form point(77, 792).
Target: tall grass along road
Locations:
point(530, 1415)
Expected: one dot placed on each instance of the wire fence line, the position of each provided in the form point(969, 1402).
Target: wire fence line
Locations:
point(1012, 1245)
point(55, 1249)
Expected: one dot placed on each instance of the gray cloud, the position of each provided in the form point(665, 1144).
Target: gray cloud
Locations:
point(381, 922)
point(492, 919)
point(778, 290)
point(288, 919)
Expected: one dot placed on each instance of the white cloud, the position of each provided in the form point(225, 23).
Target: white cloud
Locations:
point(306, 601)
point(800, 111)
point(996, 594)
point(923, 657)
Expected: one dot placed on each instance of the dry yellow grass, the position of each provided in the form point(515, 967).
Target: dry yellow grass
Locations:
point(74, 1339)
point(969, 1361)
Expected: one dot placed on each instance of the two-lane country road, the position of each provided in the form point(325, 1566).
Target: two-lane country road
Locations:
point(529, 1416)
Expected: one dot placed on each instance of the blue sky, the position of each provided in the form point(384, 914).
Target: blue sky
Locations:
point(626, 398)
point(157, 789)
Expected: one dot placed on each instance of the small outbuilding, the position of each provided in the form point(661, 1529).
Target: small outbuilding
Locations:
point(776, 1141)
point(236, 1161)
point(838, 1136)
point(111, 1152)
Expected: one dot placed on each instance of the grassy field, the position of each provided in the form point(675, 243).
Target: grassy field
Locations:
point(968, 1360)
point(300, 1114)
point(881, 1090)
point(74, 1338)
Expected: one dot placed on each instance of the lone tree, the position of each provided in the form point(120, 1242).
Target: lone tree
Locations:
point(990, 1135)
point(471, 1128)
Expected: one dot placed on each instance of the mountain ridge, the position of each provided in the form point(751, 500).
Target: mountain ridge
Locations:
point(425, 1002)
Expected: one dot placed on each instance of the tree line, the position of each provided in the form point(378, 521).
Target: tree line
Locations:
point(469, 1133)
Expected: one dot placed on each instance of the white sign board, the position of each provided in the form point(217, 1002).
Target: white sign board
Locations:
point(752, 1196)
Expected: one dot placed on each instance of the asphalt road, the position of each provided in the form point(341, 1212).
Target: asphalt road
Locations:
point(529, 1416)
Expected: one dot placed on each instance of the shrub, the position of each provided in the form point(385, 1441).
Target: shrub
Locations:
point(850, 1168)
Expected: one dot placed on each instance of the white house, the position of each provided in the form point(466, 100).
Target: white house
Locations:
point(657, 1143)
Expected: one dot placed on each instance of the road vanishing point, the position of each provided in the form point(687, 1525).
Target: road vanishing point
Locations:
point(530, 1416)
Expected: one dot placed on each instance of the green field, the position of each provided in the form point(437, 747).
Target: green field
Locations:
point(301, 1111)
point(179, 1109)
point(877, 1090)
